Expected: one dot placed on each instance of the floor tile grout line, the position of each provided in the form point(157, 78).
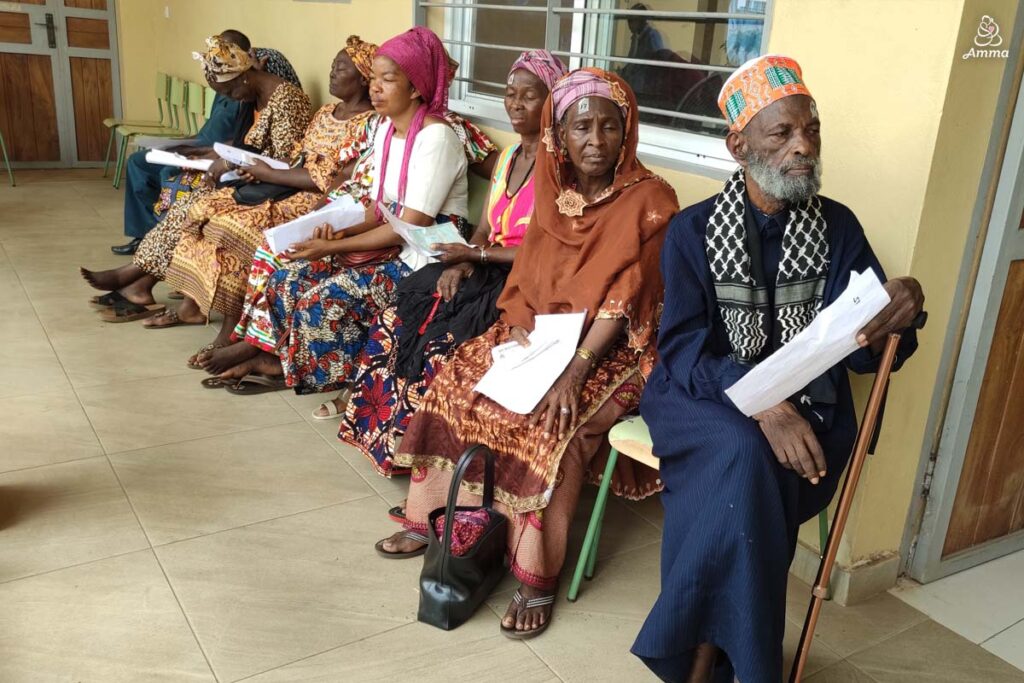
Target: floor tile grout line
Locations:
point(261, 521)
point(244, 430)
point(184, 613)
point(323, 652)
point(1000, 632)
point(163, 572)
point(76, 565)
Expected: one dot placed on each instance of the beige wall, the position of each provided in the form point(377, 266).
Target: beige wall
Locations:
point(906, 124)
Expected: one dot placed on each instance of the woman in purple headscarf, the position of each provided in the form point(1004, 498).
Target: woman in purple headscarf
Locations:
point(323, 300)
point(444, 304)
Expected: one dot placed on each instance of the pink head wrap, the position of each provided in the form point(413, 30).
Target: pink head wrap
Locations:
point(421, 57)
point(576, 86)
point(541, 64)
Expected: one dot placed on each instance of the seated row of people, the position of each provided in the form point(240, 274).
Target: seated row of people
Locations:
point(572, 222)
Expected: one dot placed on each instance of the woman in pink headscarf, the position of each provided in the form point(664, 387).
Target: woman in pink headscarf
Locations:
point(323, 300)
point(447, 303)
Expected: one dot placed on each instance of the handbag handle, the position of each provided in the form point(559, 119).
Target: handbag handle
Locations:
point(453, 491)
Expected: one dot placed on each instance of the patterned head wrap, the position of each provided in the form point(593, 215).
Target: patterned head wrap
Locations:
point(542, 64)
point(422, 58)
point(757, 84)
point(361, 53)
point(585, 83)
point(223, 61)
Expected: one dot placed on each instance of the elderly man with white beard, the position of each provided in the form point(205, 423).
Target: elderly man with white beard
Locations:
point(745, 271)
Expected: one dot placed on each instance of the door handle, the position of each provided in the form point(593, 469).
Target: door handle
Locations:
point(51, 30)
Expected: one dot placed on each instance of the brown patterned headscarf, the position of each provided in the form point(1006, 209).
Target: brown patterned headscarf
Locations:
point(361, 53)
point(601, 256)
point(223, 61)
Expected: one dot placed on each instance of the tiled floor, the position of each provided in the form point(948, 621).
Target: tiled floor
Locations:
point(984, 604)
point(154, 530)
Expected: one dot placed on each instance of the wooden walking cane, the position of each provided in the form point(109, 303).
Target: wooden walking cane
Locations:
point(865, 436)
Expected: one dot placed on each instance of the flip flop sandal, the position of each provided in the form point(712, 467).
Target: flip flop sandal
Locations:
point(129, 312)
point(209, 347)
point(530, 603)
point(172, 315)
point(108, 300)
point(397, 514)
point(333, 410)
point(410, 535)
point(218, 383)
point(253, 384)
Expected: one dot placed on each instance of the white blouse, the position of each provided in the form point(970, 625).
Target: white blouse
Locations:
point(436, 183)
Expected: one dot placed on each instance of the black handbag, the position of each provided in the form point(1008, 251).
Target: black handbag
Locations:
point(254, 194)
point(452, 588)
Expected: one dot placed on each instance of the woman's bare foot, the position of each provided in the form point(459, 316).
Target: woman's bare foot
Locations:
point(216, 361)
point(187, 314)
point(524, 620)
point(398, 542)
point(114, 279)
point(266, 364)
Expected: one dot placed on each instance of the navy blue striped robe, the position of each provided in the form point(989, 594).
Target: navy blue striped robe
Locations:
point(731, 511)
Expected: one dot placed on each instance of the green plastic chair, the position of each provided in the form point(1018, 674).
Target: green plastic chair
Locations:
point(194, 106)
point(632, 439)
point(7, 161)
point(163, 85)
point(176, 101)
point(211, 95)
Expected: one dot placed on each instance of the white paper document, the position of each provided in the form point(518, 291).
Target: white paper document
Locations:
point(158, 142)
point(420, 238)
point(831, 337)
point(342, 213)
point(158, 156)
point(240, 157)
point(521, 375)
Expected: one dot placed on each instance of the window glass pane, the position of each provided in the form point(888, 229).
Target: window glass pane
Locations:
point(515, 29)
point(706, 42)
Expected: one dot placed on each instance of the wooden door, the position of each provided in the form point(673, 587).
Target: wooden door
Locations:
point(989, 501)
point(28, 107)
point(58, 80)
point(975, 508)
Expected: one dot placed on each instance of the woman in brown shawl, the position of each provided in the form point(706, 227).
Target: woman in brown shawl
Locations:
point(593, 245)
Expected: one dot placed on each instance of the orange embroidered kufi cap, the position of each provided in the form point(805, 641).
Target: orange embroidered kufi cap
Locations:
point(757, 84)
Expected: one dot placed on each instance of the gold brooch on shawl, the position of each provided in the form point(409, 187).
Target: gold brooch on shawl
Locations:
point(570, 203)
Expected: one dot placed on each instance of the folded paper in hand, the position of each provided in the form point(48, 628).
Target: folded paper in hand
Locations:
point(421, 239)
point(162, 158)
point(339, 214)
point(240, 157)
point(520, 376)
point(831, 337)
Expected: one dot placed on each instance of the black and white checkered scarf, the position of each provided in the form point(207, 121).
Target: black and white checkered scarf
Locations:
point(742, 298)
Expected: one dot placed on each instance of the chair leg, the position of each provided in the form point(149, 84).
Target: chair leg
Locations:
point(601, 506)
point(7, 161)
point(110, 148)
point(121, 156)
point(588, 552)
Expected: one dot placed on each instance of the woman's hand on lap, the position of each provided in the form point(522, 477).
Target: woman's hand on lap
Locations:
point(560, 405)
point(451, 279)
point(257, 172)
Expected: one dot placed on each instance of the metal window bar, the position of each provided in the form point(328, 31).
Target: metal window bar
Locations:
point(551, 39)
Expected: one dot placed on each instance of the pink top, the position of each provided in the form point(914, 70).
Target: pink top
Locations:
point(509, 216)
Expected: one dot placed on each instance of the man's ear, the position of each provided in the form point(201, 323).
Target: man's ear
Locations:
point(737, 145)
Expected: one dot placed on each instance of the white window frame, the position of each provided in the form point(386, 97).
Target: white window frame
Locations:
point(659, 145)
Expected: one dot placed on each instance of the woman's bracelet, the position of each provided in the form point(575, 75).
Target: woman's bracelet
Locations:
point(483, 254)
point(587, 355)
